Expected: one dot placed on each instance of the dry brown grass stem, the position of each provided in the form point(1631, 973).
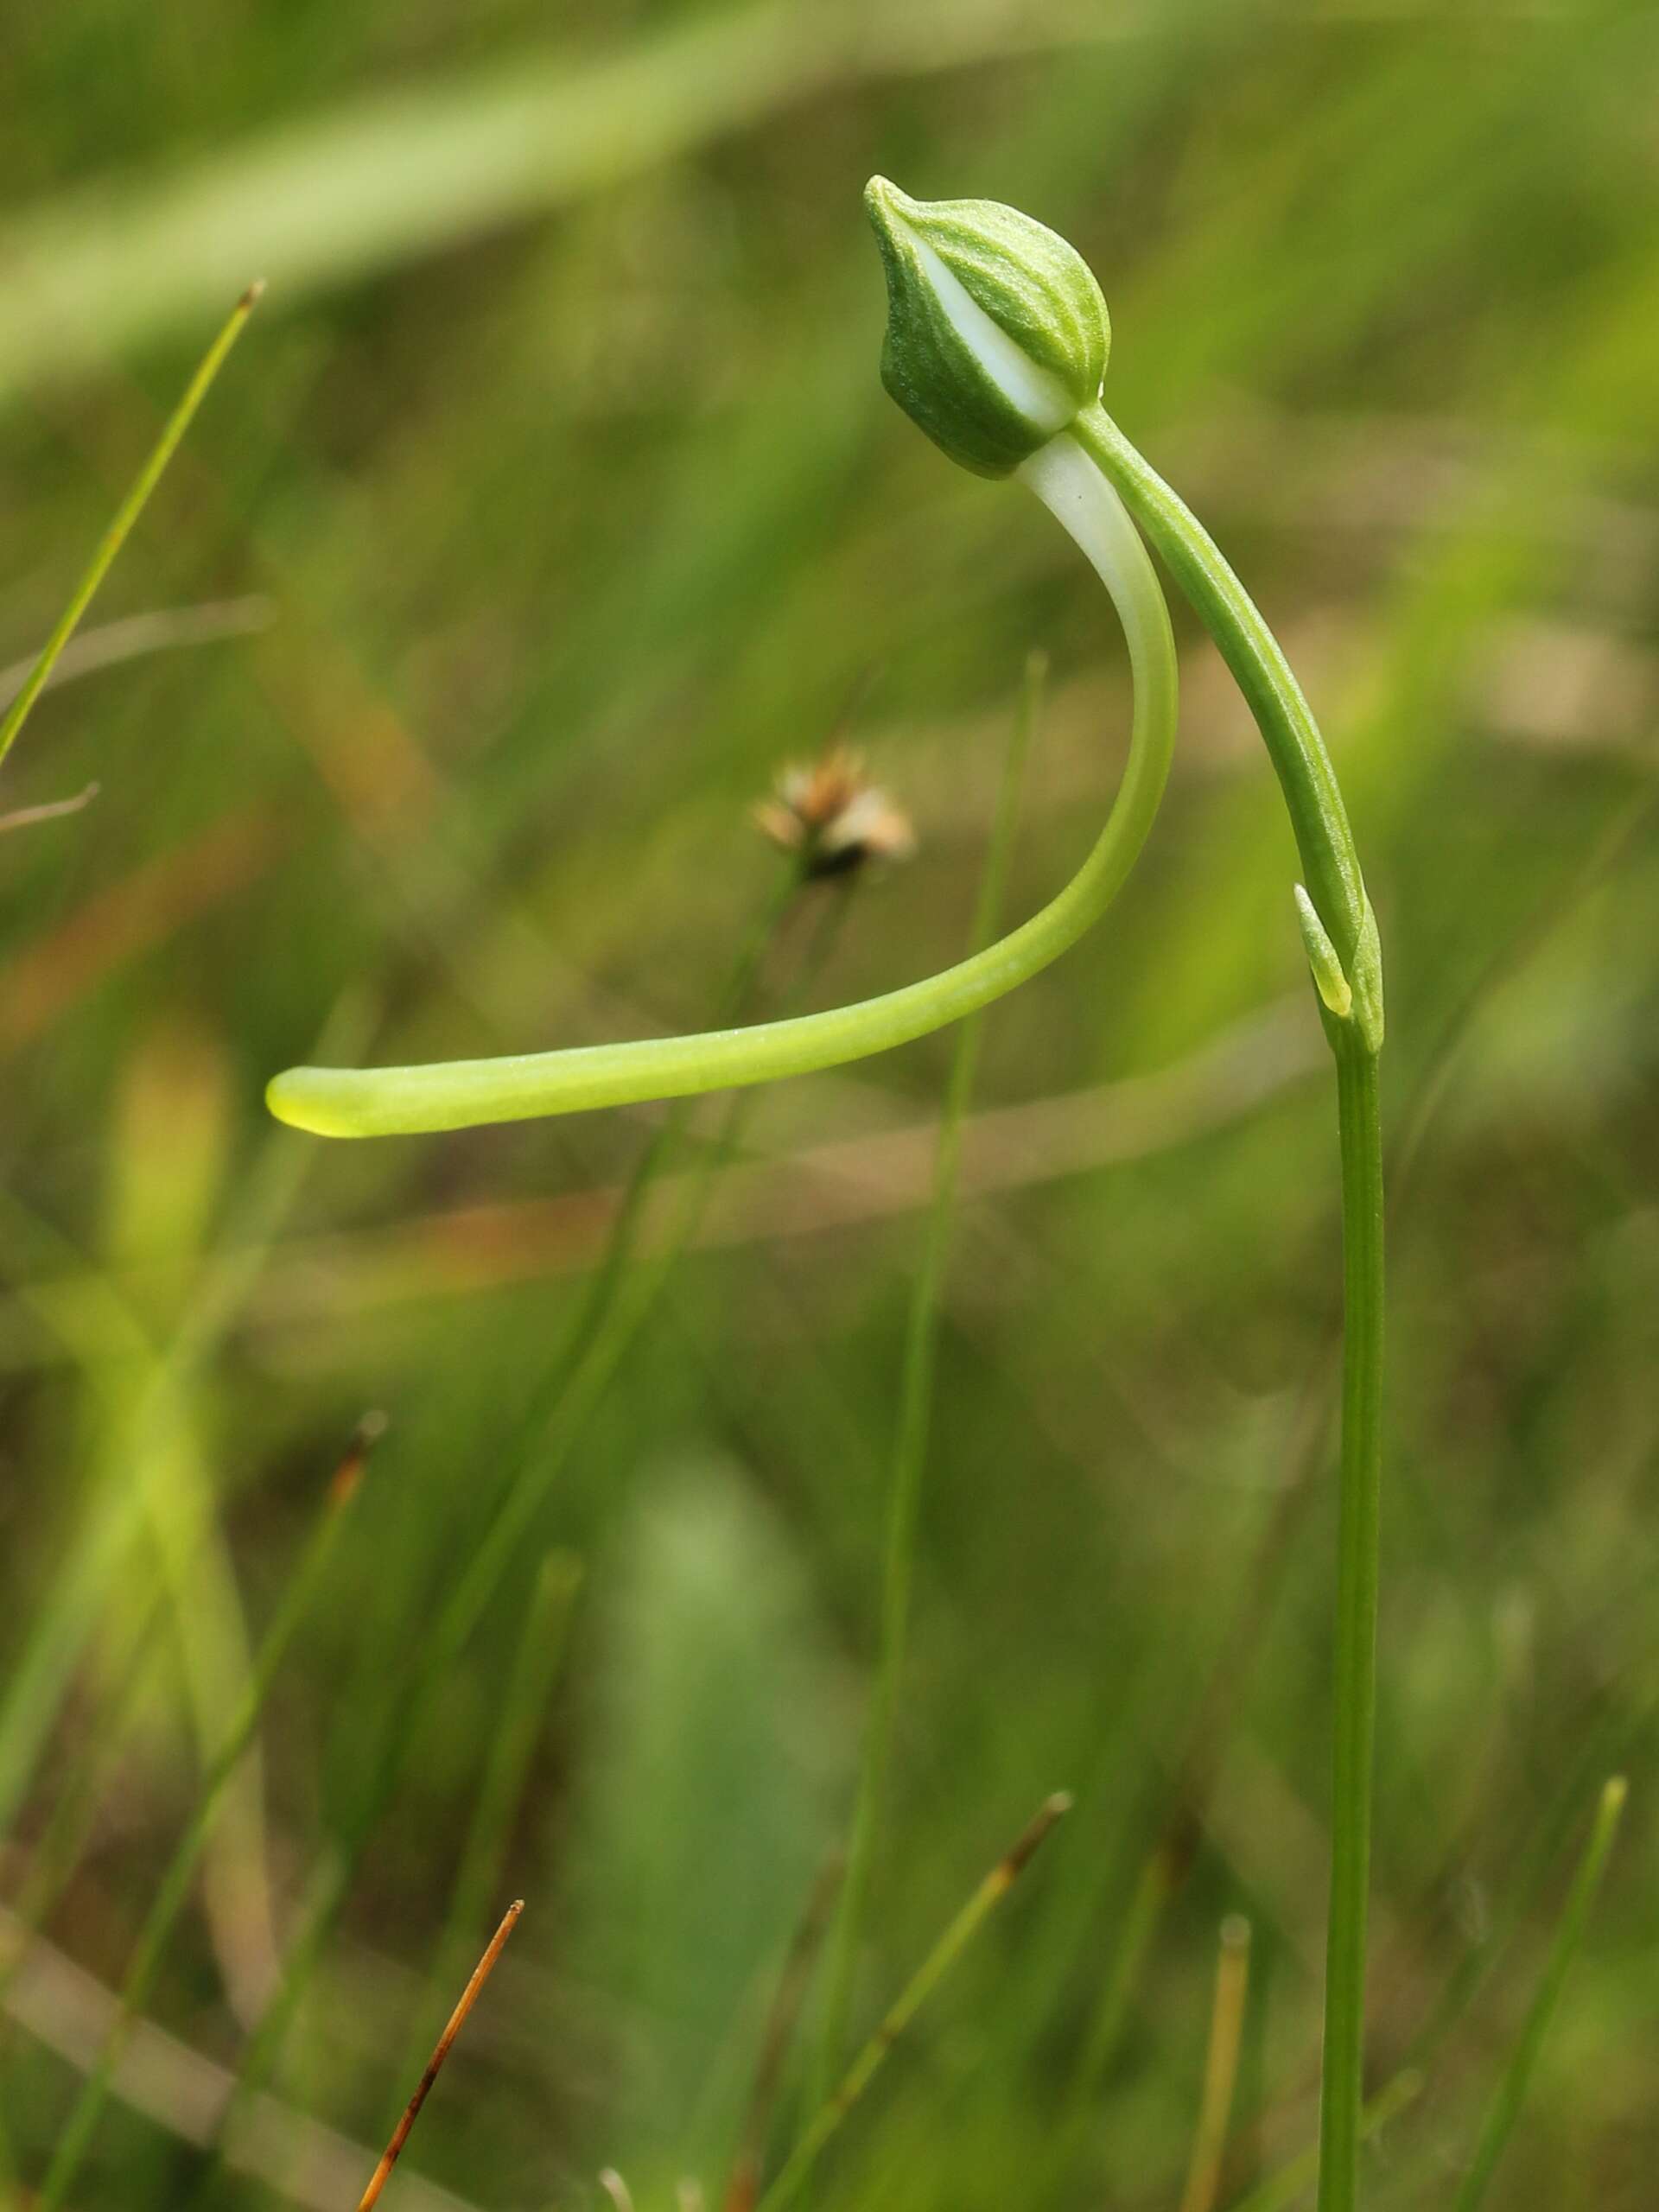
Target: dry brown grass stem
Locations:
point(482, 1973)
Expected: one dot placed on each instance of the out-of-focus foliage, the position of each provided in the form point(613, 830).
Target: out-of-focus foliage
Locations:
point(551, 504)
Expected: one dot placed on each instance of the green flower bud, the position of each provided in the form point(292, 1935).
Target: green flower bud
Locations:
point(997, 334)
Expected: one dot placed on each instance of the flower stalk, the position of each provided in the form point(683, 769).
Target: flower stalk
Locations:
point(947, 247)
point(997, 345)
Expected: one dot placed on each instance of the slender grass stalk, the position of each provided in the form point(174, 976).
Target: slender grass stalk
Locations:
point(1511, 2090)
point(457, 2020)
point(939, 1962)
point(126, 515)
point(1612, 1738)
point(174, 1889)
point(1220, 2067)
point(914, 1424)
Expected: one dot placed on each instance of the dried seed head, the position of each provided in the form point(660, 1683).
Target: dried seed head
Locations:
point(997, 333)
point(833, 816)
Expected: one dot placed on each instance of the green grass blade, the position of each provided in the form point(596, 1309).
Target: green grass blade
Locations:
point(126, 515)
point(1511, 2092)
point(1221, 2066)
point(921, 1986)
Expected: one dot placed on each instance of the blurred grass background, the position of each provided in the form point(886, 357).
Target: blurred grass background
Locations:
point(551, 504)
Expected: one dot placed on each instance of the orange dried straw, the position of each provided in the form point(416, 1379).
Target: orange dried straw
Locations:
point(468, 1997)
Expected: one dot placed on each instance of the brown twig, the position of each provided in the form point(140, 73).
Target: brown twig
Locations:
point(70, 2012)
point(468, 1997)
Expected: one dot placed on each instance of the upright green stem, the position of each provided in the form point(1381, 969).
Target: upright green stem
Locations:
point(1343, 2089)
point(1340, 933)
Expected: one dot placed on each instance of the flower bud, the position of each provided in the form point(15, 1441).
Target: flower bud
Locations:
point(997, 334)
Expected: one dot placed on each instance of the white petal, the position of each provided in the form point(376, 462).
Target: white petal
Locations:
point(1028, 388)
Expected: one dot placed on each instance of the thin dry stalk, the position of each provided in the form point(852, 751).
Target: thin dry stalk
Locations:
point(1220, 2066)
point(481, 1973)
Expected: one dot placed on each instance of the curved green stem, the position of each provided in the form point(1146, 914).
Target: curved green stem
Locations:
point(383, 1102)
point(1258, 665)
point(1339, 931)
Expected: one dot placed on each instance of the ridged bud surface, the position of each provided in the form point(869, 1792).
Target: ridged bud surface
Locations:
point(997, 333)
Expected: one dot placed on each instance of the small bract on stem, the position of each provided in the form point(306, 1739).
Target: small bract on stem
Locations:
point(997, 346)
